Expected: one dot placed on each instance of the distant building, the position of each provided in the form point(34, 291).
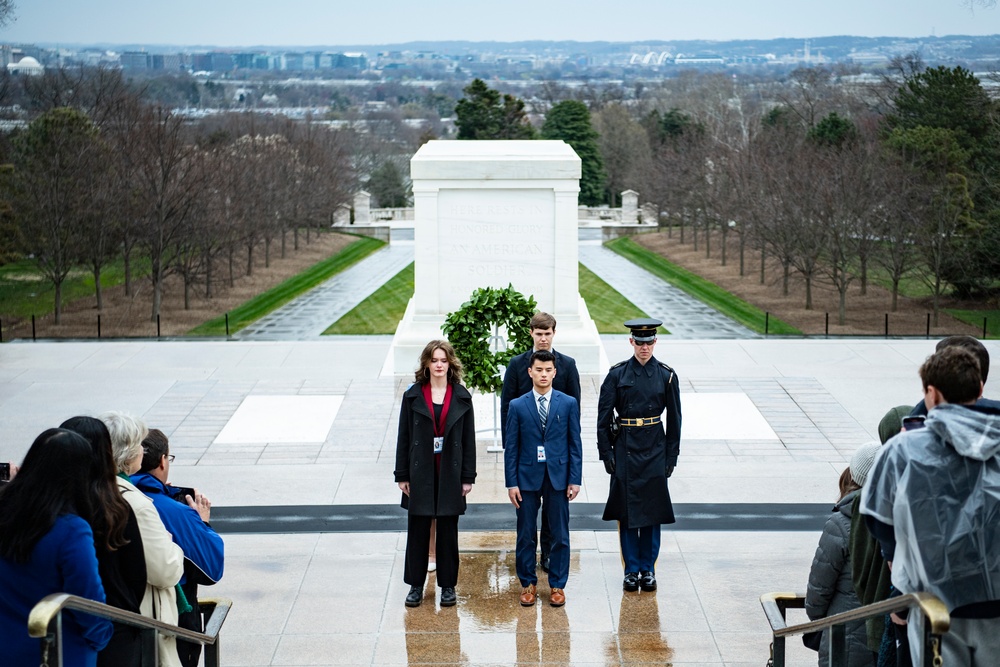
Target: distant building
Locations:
point(26, 66)
point(135, 60)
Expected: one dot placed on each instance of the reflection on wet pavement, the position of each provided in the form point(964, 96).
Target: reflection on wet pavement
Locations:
point(478, 631)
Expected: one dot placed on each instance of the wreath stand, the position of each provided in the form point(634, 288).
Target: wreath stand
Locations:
point(496, 341)
point(474, 332)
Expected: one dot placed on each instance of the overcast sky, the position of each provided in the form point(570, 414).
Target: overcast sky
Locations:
point(342, 22)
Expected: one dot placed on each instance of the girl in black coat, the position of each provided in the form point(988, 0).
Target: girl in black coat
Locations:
point(435, 466)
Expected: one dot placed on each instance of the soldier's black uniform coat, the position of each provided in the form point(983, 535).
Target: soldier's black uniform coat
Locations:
point(642, 454)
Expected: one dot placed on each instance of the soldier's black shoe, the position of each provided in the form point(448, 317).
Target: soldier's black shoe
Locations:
point(631, 582)
point(647, 581)
point(546, 562)
point(448, 598)
point(415, 596)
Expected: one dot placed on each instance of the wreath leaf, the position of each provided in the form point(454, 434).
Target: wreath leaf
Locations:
point(469, 329)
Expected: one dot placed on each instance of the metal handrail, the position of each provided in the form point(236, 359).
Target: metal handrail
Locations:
point(44, 619)
point(775, 604)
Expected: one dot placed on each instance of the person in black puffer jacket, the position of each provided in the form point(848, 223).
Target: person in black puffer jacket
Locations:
point(831, 589)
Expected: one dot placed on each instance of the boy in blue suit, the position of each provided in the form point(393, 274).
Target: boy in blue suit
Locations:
point(543, 458)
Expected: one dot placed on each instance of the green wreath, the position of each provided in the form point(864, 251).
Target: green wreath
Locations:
point(469, 328)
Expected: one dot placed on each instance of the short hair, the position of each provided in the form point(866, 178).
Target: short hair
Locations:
point(423, 374)
point(127, 433)
point(972, 344)
point(954, 371)
point(154, 447)
point(542, 320)
point(542, 356)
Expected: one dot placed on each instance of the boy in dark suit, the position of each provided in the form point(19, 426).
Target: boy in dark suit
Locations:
point(543, 458)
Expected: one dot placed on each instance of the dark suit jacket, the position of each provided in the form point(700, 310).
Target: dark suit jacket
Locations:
point(516, 382)
point(561, 438)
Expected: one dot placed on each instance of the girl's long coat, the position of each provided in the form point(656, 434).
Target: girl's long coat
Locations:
point(415, 453)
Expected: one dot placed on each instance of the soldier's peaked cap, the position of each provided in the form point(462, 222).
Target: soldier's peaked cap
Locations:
point(643, 329)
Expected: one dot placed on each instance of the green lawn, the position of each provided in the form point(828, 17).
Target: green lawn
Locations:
point(277, 296)
point(381, 312)
point(608, 308)
point(25, 291)
point(975, 318)
point(728, 304)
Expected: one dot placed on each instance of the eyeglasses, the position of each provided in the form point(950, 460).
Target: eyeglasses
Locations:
point(647, 344)
point(170, 458)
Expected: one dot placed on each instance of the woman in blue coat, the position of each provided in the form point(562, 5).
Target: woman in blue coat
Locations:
point(47, 546)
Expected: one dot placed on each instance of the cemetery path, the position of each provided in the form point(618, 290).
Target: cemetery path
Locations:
point(309, 315)
point(683, 315)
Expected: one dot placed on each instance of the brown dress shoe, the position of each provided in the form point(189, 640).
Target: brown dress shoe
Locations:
point(528, 596)
point(558, 597)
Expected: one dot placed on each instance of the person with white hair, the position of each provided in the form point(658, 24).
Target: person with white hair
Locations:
point(164, 559)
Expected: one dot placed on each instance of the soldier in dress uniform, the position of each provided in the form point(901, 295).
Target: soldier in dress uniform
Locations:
point(638, 438)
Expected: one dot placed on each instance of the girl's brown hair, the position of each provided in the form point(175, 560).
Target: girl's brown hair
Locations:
point(423, 373)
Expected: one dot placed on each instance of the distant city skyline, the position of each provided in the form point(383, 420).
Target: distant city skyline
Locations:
point(244, 23)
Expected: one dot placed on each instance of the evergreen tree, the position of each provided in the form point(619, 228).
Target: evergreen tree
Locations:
point(570, 121)
point(952, 101)
point(486, 114)
point(388, 187)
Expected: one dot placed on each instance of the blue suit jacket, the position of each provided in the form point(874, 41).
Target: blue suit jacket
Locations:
point(563, 448)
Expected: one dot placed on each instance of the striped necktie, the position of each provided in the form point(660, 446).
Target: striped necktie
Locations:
point(543, 412)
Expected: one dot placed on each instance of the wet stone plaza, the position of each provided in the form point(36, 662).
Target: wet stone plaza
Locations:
point(294, 443)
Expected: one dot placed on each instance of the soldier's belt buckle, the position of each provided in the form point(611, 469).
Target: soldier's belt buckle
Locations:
point(639, 421)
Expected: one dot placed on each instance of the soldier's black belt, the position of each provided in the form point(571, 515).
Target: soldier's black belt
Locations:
point(640, 421)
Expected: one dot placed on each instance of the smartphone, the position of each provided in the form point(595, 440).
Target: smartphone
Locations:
point(4, 472)
point(181, 491)
point(913, 422)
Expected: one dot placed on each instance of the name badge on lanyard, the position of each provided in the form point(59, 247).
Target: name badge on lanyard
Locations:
point(541, 453)
point(438, 444)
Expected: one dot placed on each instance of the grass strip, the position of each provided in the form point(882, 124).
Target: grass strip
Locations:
point(381, 312)
point(262, 304)
point(976, 317)
point(607, 306)
point(25, 291)
point(706, 291)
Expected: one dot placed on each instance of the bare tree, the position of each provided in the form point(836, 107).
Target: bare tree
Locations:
point(52, 189)
point(169, 181)
point(625, 151)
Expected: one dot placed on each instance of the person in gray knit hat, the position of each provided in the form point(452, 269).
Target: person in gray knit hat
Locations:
point(862, 461)
point(830, 589)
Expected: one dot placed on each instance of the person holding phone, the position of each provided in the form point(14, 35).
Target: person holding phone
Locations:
point(435, 467)
point(188, 522)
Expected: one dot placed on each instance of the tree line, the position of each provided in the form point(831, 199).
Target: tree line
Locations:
point(830, 175)
point(102, 175)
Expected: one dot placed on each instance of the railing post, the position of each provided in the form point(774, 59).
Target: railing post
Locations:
point(838, 645)
point(52, 644)
point(767, 322)
point(33, 337)
point(157, 325)
point(148, 646)
point(928, 325)
point(98, 326)
point(887, 325)
point(828, 325)
point(227, 325)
